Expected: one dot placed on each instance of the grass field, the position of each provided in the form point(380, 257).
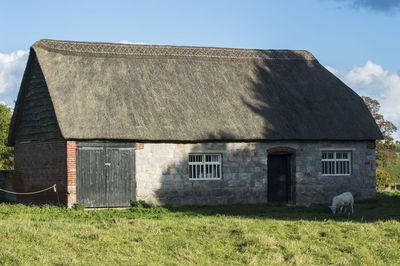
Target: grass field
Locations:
point(232, 234)
point(394, 170)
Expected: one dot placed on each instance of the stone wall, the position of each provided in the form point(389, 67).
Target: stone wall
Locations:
point(39, 165)
point(313, 187)
point(162, 173)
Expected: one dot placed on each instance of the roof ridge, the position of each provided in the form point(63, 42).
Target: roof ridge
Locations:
point(104, 48)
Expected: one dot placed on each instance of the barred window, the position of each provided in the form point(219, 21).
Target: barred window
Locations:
point(336, 163)
point(205, 166)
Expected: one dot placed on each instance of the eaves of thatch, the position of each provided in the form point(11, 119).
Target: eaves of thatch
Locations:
point(174, 93)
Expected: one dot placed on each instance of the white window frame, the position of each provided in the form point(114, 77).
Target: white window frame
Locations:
point(203, 170)
point(336, 161)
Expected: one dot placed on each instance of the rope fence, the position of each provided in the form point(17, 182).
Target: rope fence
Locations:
point(54, 187)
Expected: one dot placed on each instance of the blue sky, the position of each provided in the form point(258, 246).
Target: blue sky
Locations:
point(357, 40)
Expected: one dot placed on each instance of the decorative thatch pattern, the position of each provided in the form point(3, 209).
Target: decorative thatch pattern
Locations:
point(170, 93)
point(112, 49)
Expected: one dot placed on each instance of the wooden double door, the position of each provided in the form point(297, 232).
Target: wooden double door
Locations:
point(105, 174)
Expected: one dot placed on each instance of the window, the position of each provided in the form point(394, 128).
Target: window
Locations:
point(336, 163)
point(204, 166)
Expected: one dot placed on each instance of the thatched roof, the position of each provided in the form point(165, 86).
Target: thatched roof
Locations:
point(176, 93)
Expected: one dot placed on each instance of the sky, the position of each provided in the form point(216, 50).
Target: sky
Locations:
point(357, 40)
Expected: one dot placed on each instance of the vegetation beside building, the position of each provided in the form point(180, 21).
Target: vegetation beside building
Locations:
point(6, 153)
point(393, 169)
point(386, 147)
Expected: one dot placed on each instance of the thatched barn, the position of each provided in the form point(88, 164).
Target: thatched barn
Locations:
point(109, 123)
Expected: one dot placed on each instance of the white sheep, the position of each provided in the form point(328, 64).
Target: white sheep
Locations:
point(342, 201)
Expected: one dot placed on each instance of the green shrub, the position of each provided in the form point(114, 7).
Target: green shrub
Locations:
point(382, 178)
point(140, 204)
point(142, 209)
point(394, 170)
point(78, 206)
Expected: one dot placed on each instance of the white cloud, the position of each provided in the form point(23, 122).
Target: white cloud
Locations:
point(11, 70)
point(374, 81)
point(128, 42)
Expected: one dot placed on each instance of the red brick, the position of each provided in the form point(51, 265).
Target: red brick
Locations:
point(71, 173)
point(139, 146)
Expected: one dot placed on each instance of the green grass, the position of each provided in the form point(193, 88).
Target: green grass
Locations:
point(231, 234)
point(394, 170)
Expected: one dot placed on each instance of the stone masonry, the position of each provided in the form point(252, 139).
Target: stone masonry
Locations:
point(162, 173)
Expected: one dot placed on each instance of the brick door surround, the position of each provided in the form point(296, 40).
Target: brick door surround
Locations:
point(71, 173)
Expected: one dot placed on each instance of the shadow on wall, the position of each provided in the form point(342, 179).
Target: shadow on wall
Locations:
point(12, 181)
point(272, 93)
point(242, 178)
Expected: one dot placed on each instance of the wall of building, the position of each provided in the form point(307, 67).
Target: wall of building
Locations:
point(71, 173)
point(162, 173)
point(39, 165)
point(6, 177)
point(313, 187)
point(35, 117)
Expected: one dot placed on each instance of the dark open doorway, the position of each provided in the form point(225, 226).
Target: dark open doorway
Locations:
point(279, 178)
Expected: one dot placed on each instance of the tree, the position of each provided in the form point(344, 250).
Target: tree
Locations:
point(6, 153)
point(386, 148)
